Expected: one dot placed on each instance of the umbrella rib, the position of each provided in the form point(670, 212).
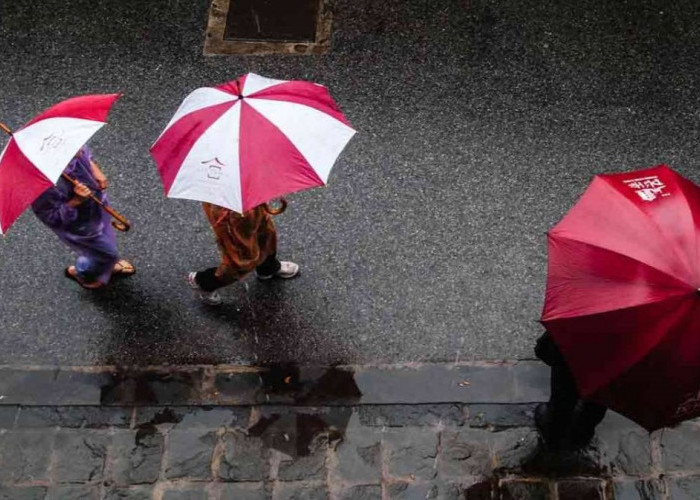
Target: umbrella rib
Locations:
point(678, 254)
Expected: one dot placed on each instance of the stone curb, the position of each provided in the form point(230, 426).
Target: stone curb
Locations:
point(503, 382)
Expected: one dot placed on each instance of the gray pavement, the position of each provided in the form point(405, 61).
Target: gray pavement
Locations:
point(237, 434)
point(479, 125)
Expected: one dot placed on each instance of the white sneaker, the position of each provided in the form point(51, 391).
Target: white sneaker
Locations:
point(287, 270)
point(209, 298)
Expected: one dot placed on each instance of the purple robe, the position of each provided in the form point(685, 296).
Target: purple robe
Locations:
point(86, 229)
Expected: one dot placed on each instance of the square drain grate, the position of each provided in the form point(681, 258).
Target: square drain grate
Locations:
point(268, 27)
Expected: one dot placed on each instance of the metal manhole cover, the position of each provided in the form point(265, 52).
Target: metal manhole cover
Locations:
point(268, 27)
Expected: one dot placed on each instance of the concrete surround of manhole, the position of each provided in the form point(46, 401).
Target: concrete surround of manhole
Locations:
point(216, 44)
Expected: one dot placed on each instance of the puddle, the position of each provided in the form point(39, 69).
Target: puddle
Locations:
point(151, 388)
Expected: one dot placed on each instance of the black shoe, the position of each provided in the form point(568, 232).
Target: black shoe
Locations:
point(580, 438)
point(543, 423)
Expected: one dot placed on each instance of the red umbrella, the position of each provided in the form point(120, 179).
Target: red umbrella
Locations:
point(622, 298)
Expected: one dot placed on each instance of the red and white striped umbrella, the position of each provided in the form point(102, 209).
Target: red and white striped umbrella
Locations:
point(248, 141)
point(38, 153)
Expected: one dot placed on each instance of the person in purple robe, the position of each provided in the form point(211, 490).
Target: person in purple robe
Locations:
point(82, 224)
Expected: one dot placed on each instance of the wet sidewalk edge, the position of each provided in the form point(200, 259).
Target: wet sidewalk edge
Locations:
point(483, 382)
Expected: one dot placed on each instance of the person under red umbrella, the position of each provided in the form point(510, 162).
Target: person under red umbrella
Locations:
point(82, 224)
point(246, 242)
point(565, 421)
point(622, 304)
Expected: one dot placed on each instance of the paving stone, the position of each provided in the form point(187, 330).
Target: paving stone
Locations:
point(299, 491)
point(137, 456)
point(307, 467)
point(51, 387)
point(189, 453)
point(685, 488)
point(413, 415)
point(132, 493)
point(246, 491)
point(188, 493)
point(22, 492)
point(639, 490)
point(411, 452)
point(24, 455)
point(525, 490)
point(622, 446)
point(565, 463)
point(238, 387)
point(194, 416)
point(501, 415)
point(531, 382)
point(437, 384)
point(163, 387)
point(450, 491)
point(581, 490)
point(679, 448)
point(362, 492)
point(244, 458)
point(465, 452)
point(79, 455)
point(410, 491)
point(359, 456)
point(73, 416)
point(480, 491)
point(292, 430)
point(74, 492)
point(8, 414)
point(513, 448)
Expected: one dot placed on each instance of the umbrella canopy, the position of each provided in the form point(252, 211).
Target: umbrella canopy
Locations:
point(245, 142)
point(622, 298)
point(38, 153)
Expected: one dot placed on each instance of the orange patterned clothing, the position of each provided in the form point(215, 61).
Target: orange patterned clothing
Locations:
point(244, 241)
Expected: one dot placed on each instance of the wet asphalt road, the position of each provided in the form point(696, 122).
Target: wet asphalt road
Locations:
point(480, 123)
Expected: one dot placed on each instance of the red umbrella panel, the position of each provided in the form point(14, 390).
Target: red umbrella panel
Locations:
point(622, 297)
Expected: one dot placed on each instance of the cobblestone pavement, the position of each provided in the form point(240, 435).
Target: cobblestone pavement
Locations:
point(472, 445)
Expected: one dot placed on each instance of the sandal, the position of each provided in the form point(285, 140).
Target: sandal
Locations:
point(89, 285)
point(124, 268)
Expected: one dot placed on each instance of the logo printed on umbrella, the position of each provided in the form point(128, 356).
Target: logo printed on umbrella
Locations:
point(52, 141)
point(214, 168)
point(648, 188)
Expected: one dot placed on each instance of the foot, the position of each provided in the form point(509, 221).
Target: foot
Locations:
point(72, 274)
point(543, 423)
point(124, 268)
point(287, 270)
point(581, 438)
point(209, 298)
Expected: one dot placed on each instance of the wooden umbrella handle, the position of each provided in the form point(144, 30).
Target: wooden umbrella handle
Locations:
point(5, 129)
point(120, 224)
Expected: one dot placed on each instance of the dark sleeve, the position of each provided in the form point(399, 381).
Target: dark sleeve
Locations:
point(53, 210)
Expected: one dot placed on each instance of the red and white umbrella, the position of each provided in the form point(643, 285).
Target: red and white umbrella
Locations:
point(251, 140)
point(37, 153)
